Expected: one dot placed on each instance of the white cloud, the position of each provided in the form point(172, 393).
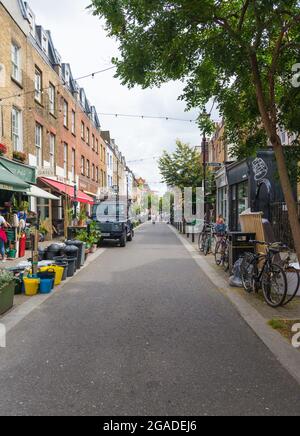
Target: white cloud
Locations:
point(81, 40)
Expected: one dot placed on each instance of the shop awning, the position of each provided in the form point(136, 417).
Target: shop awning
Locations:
point(68, 190)
point(10, 182)
point(34, 191)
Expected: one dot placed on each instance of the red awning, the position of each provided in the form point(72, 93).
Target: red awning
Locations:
point(68, 190)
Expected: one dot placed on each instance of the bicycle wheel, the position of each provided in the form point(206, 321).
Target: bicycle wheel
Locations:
point(219, 253)
point(207, 245)
point(248, 272)
point(201, 241)
point(293, 283)
point(274, 285)
point(226, 257)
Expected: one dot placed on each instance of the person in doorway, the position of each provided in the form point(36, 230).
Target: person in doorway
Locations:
point(220, 225)
point(3, 237)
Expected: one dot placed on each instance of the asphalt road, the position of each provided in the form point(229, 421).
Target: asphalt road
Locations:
point(141, 331)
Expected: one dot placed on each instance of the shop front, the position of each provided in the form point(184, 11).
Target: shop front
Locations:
point(253, 184)
point(62, 211)
point(222, 193)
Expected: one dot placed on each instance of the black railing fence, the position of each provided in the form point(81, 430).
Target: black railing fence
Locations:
point(280, 223)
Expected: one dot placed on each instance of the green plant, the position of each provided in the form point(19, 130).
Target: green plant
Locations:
point(19, 156)
point(94, 233)
point(82, 216)
point(6, 277)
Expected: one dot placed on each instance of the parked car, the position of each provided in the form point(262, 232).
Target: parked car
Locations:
point(114, 221)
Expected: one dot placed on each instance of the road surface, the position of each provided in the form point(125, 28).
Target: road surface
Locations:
point(141, 331)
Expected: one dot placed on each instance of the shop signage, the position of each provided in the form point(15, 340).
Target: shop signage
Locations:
point(6, 187)
point(24, 172)
point(45, 172)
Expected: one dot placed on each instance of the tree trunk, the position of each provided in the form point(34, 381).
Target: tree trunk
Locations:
point(271, 129)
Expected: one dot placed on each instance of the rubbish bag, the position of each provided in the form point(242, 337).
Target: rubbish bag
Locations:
point(235, 280)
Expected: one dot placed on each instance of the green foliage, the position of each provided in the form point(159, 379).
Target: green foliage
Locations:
point(91, 237)
point(213, 46)
point(183, 168)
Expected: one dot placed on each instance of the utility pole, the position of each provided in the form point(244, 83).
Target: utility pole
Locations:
point(204, 149)
point(118, 192)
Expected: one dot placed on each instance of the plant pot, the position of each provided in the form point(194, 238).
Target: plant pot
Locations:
point(7, 293)
point(94, 248)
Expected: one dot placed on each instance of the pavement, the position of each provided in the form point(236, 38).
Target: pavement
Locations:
point(142, 330)
point(289, 312)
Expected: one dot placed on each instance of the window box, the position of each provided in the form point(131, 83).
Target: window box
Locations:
point(19, 156)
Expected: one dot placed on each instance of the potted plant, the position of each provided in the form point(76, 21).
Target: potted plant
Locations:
point(94, 236)
point(19, 156)
point(82, 217)
point(3, 149)
point(7, 291)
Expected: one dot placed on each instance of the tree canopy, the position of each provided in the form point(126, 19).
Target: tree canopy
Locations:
point(183, 168)
point(239, 52)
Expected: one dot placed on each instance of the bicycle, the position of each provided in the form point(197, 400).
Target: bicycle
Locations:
point(222, 251)
point(203, 236)
point(258, 271)
point(293, 275)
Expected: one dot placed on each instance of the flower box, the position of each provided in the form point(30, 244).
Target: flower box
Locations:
point(7, 293)
point(3, 149)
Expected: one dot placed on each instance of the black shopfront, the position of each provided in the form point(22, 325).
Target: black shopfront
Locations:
point(253, 184)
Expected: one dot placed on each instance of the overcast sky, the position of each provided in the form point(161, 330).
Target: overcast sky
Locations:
point(81, 40)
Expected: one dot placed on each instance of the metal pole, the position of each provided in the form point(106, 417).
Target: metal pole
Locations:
point(204, 173)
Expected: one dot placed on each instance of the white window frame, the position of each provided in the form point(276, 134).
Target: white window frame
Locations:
point(38, 78)
point(82, 131)
point(66, 113)
point(51, 99)
point(39, 145)
point(16, 62)
point(82, 169)
point(65, 160)
point(73, 122)
point(73, 164)
point(52, 141)
point(17, 129)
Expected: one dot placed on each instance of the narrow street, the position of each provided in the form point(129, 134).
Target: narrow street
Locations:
point(141, 331)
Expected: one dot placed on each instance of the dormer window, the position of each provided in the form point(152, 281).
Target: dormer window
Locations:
point(45, 42)
point(31, 19)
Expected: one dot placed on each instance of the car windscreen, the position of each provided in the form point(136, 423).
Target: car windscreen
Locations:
point(109, 211)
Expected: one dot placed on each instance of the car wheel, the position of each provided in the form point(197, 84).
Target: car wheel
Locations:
point(130, 236)
point(123, 240)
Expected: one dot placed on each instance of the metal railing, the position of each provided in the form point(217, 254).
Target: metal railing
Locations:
point(280, 223)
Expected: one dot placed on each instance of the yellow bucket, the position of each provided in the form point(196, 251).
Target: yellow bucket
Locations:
point(31, 286)
point(59, 272)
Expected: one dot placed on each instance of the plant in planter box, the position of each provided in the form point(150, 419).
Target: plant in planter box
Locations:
point(3, 149)
point(82, 217)
point(7, 291)
point(20, 156)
